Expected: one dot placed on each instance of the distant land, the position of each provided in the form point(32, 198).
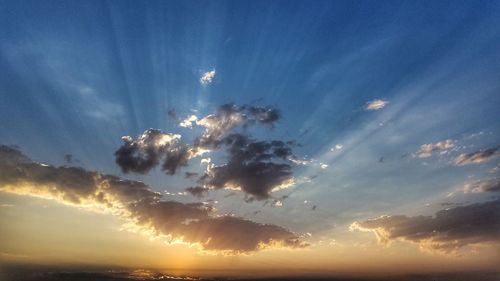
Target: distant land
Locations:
point(42, 273)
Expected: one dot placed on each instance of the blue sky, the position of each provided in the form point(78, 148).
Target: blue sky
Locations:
point(77, 76)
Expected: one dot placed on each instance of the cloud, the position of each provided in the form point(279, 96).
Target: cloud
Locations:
point(189, 175)
point(255, 167)
point(188, 122)
point(337, 147)
point(197, 191)
point(68, 158)
point(227, 117)
point(376, 104)
point(426, 150)
point(146, 151)
point(135, 202)
point(487, 185)
point(446, 232)
point(476, 157)
point(207, 77)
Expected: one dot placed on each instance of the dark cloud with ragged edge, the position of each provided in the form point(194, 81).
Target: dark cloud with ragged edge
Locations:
point(145, 152)
point(134, 201)
point(227, 117)
point(252, 166)
point(476, 157)
point(255, 167)
point(197, 191)
point(446, 232)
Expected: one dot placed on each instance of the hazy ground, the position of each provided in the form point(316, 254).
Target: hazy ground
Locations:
point(37, 273)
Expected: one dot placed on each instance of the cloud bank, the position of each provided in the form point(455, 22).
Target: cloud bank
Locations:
point(446, 232)
point(135, 202)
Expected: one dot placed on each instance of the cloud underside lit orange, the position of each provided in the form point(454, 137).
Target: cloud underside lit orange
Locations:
point(142, 209)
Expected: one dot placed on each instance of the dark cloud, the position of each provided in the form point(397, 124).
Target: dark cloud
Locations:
point(197, 191)
point(172, 114)
point(255, 167)
point(447, 231)
point(135, 201)
point(486, 185)
point(175, 158)
point(476, 157)
point(145, 152)
point(142, 154)
point(189, 175)
point(264, 115)
point(70, 184)
point(225, 233)
point(251, 168)
point(68, 158)
point(229, 116)
point(240, 235)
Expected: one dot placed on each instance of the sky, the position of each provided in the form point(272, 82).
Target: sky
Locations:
point(252, 136)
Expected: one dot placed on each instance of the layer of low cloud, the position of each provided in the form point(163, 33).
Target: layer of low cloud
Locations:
point(476, 157)
point(207, 77)
point(426, 150)
point(446, 232)
point(254, 167)
point(485, 185)
point(376, 104)
point(137, 203)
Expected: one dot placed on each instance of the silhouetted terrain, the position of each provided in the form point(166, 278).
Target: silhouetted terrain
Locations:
point(17, 273)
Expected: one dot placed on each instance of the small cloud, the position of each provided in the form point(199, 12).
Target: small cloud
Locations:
point(376, 104)
point(188, 122)
point(323, 166)
point(189, 175)
point(207, 77)
point(487, 185)
point(68, 158)
point(277, 203)
point(426, 150)
point(197, 191)
point(476, 157)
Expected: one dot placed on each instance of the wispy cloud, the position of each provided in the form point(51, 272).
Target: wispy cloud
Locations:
point(207, 77)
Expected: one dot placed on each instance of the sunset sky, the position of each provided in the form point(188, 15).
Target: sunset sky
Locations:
point(251, 137)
